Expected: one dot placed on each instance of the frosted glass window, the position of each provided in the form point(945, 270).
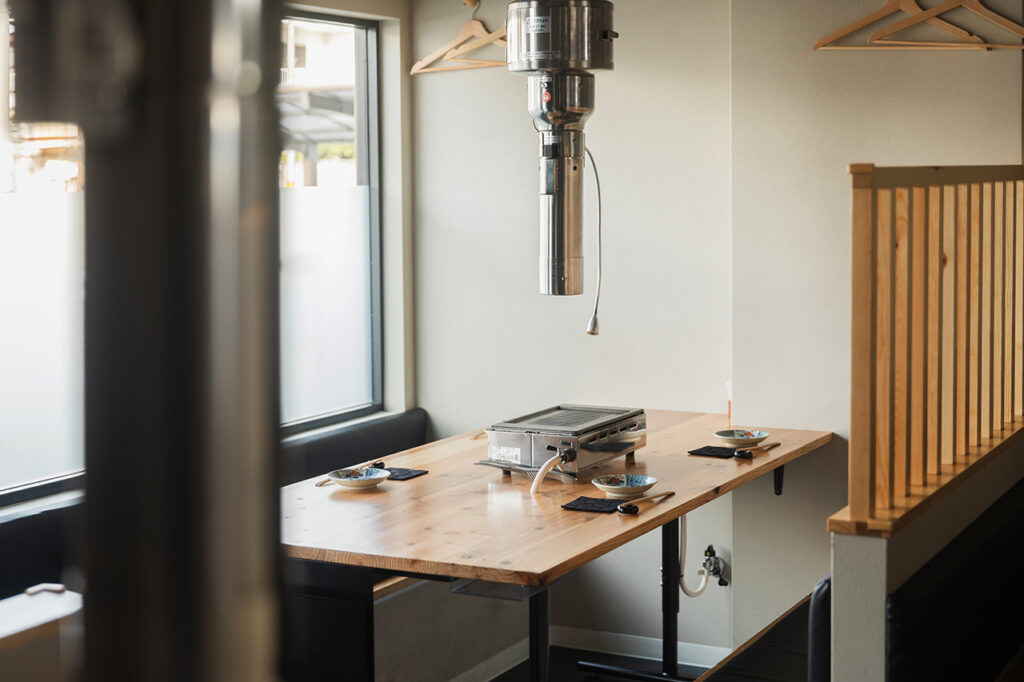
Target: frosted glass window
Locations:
point(42, 292)
point(330, 322)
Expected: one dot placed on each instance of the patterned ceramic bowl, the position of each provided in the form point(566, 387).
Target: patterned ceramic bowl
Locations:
point(741, 438)
point(359, 478)
point(624, 485)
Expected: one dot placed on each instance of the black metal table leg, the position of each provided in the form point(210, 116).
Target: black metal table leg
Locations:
point(670, 574)
point(539, 636)
point(327, 615)
point(669, 668)
point(777, 475)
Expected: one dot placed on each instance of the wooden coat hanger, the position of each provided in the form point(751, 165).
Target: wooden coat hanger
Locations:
point(496, 38)
point(892, 7)
point(943, 7)
point(471, 29)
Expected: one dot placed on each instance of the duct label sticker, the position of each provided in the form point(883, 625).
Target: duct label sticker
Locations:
point(538, 25)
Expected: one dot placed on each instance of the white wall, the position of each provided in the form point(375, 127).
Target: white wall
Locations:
point(489, 347)
point(799, 118)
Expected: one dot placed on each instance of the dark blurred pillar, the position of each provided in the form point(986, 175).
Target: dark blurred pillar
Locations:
point(176, 102)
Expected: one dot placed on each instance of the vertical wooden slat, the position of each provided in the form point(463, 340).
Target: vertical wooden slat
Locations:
point(918, 288)
point(861, 484)
point(948, 321)
point(883, 353)
point(961, 321)
point(934, 299)
point(901, 345)
point(997, 309)
point(1007, 332)
point(974, 341)
point(1018, 295)
point(986, 311)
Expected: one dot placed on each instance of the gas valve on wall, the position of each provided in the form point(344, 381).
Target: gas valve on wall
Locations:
point(714, 565)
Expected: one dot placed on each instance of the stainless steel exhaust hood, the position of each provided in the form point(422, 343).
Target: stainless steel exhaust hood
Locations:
point(556, 42)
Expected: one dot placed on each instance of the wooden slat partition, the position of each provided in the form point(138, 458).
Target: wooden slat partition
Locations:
point(1018, 305)
point(937, 355)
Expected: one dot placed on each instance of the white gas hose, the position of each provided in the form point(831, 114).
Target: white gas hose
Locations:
point(548, 466)
point(682, 564)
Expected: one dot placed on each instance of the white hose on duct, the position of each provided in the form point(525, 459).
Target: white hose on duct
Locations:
point(548, 466)
point(682, 564)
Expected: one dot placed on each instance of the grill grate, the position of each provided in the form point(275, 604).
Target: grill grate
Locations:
point(570, 419)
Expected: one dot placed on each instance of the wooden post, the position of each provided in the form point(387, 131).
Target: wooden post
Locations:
point(918, 393)
point(901, 344)
point(962, 258)
point(862, 347)
point(948, 319)
point(974, 306)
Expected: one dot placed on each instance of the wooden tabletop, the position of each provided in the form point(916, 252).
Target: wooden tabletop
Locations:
point(468, 521)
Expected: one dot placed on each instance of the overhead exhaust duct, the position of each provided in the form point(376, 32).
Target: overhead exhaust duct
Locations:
point(556, 43)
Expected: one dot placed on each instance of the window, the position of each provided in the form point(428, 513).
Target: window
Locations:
point(42, 295)
point(330, 235)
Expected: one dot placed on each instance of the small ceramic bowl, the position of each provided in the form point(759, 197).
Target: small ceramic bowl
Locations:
point(741, 438)
point(359, 478)
point(624, 485)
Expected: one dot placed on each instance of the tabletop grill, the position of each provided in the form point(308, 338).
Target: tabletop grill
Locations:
point(587, 435)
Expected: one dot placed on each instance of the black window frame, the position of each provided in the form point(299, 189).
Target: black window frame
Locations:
point(368, 172)
point(368, 158)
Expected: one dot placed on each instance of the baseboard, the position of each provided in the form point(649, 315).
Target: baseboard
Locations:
point(700, 655)
point(497, 664)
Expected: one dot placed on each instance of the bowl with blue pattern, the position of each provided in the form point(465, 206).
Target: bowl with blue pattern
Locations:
point(359, 478)
point(741, 438)
point(624, 485)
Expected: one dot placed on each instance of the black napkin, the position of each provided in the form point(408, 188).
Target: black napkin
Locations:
point(400, 474)
point(593, 504)
point(713, 451)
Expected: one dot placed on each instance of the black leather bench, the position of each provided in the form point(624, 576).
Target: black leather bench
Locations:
point(787, 650)
point(37, 547)
point(955, 619)
point(44, 539)
point(314, 455)
point(338, 447)
point(958, 617)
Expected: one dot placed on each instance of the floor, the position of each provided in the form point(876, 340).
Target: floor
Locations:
point(563, 667)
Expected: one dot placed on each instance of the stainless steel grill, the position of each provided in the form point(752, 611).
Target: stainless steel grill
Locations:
point(585, 434)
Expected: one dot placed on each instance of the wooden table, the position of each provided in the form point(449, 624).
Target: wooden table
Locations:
point(474, 522)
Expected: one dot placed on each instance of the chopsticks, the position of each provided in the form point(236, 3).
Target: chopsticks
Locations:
point(747, 453)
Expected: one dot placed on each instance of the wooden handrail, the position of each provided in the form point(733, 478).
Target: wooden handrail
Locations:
point(937, 334)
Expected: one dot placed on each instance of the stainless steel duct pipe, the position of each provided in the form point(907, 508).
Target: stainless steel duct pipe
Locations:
point(555, 42)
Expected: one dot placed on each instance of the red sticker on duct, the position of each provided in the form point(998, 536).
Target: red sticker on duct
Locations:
point(546, 97)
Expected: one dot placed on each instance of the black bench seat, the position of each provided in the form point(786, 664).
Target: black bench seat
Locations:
point(776, 654)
